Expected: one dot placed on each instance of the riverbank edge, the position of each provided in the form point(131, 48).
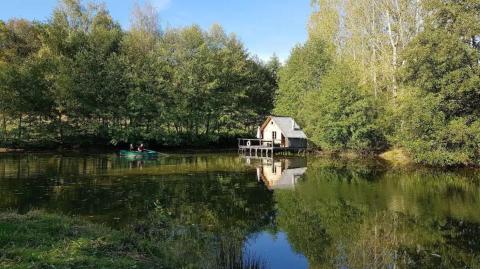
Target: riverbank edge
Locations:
point(112, 150)
point(395, 157)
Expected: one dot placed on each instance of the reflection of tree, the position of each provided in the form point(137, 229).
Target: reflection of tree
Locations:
point(193, 212)
point(357, 217)
point(102, 186)
point(205, 224)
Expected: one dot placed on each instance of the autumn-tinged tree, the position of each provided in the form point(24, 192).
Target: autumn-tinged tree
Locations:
point(371, 33)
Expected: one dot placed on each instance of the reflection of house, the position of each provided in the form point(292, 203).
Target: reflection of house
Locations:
point(281, 174)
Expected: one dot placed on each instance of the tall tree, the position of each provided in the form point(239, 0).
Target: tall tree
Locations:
point(25, 94)
point(439, 110)
point(301, 74)
point(339, 115)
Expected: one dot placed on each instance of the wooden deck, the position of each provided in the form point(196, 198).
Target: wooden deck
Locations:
point(256, 147)
point(263, 148)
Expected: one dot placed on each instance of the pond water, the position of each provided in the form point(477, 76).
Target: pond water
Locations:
point(281, 213)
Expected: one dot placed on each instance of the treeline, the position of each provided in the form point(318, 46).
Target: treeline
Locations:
point(80, 79)
point(376, 75)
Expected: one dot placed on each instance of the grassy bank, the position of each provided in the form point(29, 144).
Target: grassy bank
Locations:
point(40, 240)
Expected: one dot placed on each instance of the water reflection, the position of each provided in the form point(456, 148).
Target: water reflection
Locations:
point(275, 250)
point(281, 173)
point(116, 191)
point(345, 215)
point(209, 211)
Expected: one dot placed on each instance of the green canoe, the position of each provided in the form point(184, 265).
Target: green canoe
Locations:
point(138, 154)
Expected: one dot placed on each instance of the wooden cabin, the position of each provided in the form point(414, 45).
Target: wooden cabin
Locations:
point(284, 132)
point(277, 134)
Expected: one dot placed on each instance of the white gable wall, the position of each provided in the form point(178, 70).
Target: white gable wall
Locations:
point(268, 132)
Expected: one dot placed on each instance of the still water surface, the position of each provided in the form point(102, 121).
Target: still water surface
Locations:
point(282, 213)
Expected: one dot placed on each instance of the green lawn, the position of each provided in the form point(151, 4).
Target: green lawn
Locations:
point(40, 240)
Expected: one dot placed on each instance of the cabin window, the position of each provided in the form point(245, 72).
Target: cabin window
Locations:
point(274, 135)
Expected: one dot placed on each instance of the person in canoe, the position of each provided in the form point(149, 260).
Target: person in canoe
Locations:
point(132, 148)
point(141, 148)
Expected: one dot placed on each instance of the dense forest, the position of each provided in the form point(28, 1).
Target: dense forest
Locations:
point(79, 79)
point(386, 74)
point(372, 76)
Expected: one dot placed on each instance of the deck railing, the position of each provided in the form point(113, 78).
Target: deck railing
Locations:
point(265, 148)
point(254, 143)
point(256, 147)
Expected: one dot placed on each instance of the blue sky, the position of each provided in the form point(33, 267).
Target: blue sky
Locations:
point(265, 26)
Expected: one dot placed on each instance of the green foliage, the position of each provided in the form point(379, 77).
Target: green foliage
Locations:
point(428, 59)
point(429, 137)
point(339, 115)
point(301, 74)
point(327, 98)
point(80, 77)
point(438, 109)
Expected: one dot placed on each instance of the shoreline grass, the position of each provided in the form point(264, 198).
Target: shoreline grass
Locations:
point(42, 240)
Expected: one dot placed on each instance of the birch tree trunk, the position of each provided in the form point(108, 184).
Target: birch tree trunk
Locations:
point(394, 43)
point(374, 52)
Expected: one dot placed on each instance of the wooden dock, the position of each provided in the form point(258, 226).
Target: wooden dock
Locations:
point(262, 148)
point(256, 147)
